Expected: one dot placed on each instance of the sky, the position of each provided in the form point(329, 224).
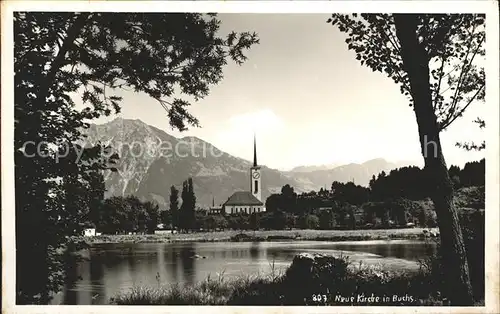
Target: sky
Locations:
point(309, 101)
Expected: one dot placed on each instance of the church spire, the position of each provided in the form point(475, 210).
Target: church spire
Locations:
point(254, 152)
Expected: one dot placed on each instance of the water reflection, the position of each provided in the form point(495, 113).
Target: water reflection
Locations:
point(255, 250)
point(188, 255)
point(116, 267)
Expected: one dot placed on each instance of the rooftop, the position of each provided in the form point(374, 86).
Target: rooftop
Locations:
point(243, 198)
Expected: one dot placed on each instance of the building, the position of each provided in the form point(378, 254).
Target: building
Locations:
point(89, 232)
point(248, 201)
point(214, 210)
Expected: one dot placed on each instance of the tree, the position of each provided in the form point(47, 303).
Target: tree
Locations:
point(431, 58)
point(473, 145)
point(184, 211)
point(174, 207)
point(422, 218)
point(191, 208)
point(309, 222)
point(58, 55)
point(454, 172)
point(273, 202)
point(290, 220)
point(255, 221)
point(288, 199)
point(341, 215)
point(278, 220)
point(96, 193)
point(209, 223)
point(326, 219)
point(352, 217)
point(153, 216)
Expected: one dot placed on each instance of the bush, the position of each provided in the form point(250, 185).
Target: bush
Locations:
point(314, 274)
point(309, 222)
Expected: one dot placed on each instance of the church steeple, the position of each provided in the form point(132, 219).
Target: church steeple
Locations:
point(254, 152)
point(255, 183)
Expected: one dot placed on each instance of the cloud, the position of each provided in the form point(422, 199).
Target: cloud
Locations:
point(236, 134)
point(258, 121)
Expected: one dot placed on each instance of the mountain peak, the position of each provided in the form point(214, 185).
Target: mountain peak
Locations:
point(376, 161)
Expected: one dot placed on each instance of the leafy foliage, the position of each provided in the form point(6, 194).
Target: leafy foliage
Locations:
point(128, 214)
point(174, 206)
point(453, 43)
point(62, 55)
point(473, 145)
point(187, 214)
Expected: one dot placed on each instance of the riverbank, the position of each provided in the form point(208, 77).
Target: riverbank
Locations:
point(268, 235)
point(312, 279)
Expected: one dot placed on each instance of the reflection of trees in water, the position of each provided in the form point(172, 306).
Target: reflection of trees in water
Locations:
point(96, 278)
point(384, 250)
point(402, 251)
point(70, 268)
point(187, 255)
point(171, 256)
point(132, 263)
point(255, 250)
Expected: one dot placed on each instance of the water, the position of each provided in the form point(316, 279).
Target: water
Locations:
point(111, 268)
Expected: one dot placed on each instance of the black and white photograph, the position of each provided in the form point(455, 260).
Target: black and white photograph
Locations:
point(231, 153)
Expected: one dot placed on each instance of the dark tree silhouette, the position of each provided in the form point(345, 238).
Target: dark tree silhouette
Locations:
point(174, 207)
point(273, 202)
point(185, 206)
point(93, 54)
point(191, 209)
point(431, 58)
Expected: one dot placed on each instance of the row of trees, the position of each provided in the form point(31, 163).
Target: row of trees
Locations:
point(117, 215)
point(411, 182)
point(403, 183)
point(182, 218)
point(390, 200)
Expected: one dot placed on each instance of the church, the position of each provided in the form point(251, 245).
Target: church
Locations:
point(248, 201)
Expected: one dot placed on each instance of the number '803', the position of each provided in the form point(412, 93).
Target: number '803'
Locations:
point(319, 297)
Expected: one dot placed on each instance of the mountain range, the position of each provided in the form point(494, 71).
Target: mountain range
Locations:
point(151, 161)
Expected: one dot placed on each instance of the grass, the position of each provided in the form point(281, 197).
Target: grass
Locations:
point(211, 291)
point(265, 235)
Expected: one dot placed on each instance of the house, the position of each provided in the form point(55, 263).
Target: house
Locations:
point(214, 210)
point(89, 232)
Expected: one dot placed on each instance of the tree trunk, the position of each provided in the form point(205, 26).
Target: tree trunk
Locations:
point(416, 64)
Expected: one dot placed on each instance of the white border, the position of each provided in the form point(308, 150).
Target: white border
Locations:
point(492, 152)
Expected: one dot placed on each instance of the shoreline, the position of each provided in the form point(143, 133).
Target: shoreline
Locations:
point(267, 236)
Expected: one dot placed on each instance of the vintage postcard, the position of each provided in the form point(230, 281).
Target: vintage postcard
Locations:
point(234, 157)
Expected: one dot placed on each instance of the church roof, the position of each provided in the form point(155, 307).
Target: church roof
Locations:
point(243, 198)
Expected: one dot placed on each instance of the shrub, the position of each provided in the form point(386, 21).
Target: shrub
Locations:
point(309, 222)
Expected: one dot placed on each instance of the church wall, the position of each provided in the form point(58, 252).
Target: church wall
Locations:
point(248, 209)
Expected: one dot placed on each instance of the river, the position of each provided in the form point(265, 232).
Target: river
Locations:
point(111, 268)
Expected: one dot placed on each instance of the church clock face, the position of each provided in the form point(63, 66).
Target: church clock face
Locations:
point(256, 175)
